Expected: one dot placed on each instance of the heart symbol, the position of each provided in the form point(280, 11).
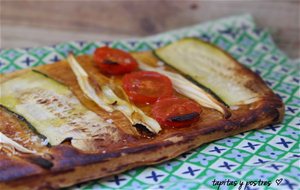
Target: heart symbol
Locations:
point(278, 181)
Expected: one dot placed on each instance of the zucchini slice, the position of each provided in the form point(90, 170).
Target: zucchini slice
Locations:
point(209, 68)
point(52, 109)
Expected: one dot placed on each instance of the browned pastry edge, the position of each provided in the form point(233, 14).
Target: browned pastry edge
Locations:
point(145, 155)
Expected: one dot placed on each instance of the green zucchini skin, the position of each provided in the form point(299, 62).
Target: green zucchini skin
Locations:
point(47, 76)
point(209, 67)
point(208, 90)
point(23, 120)
point(41, 73)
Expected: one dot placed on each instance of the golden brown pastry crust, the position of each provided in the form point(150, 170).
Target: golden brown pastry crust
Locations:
point(72, 166)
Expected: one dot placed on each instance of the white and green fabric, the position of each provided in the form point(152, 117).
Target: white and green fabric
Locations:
point(270, 155)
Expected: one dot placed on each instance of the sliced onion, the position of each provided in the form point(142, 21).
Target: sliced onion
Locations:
point(109, 101)
point(14, 145)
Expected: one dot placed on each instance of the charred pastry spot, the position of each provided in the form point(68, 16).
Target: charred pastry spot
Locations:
point(227, 113)
point(67, 140)
point(44, 163)
point(143, 130)
point(185, 117)
point(110, 62)
point(48, 145)
point(114, 103)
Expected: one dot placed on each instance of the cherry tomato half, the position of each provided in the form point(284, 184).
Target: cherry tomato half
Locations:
point(176, 112)
point(114, 61)
point(145, 87)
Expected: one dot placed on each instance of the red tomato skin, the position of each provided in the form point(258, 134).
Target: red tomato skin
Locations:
point(165, 108)
point(145, 87)
point(114, 61)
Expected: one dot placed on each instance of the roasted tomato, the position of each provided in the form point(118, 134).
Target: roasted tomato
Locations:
point(176, 112)
point(114, 61)
point(145, 87)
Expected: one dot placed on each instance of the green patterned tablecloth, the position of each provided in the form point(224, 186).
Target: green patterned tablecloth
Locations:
point(264, 159)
